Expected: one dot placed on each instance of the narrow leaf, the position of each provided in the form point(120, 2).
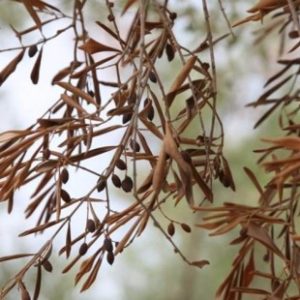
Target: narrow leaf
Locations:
point(35, 73)
point(10, 68)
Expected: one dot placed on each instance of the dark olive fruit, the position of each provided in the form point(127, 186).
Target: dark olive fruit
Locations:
point(83, 249)
point(91, 225)
point(116, 180)
point(110, 257)
point(121, 165)
point(107, 244)
point(32, 50)
point(127, 184)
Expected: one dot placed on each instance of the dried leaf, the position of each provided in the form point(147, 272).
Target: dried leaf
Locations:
point(91, 46)
point(249, 270)
point(15, 256)
point(24, 292)
point(254, 180)
point(159, 174)
point(183, 74)
point(227, 173)
point(68, 241)
point(128, 4)
point(10, 68)
point(265, 5)
point(40, 227)
point(76, 91)
point(260, 234)
point(200, 263)
point(289, 142)
point(71, 102)
point(29, 6)
point(66, 71)
point(35, 73)
point(110, 32)
point(85, 267)
point(93, 275)
point(38, 281)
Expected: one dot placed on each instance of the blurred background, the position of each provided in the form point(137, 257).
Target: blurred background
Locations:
point(148, 269)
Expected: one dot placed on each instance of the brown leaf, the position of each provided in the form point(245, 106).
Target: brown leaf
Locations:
point(40, 227)
point(38, 281)
point(159, 173)
point(91, 46)
point(151, 127)
point(77, 92)
point(85, 267)
point(10, 68)
point(265, 5)
point(13, 134)
point(93, 275)
point(35, 73)
point(253, 291)
point(128, 4)
point(254, 17)
point(24, 292)
point(110, 32)
point(249, 270)
point(228, 226)
point(66, 71)
point(260, 234)
point(202, 184)
point(183, 74)
point(200, 263)
point(288, 142)
point(68, 240)
point(254, 180)
point(265, 95)
point(227, 173)
point(122, 244)
point(71, 102)
point(15, 256)
point(29, 6)
point(91, 153)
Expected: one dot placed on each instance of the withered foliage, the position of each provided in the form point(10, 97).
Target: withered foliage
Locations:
point(157, 158)
point(267, 263)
